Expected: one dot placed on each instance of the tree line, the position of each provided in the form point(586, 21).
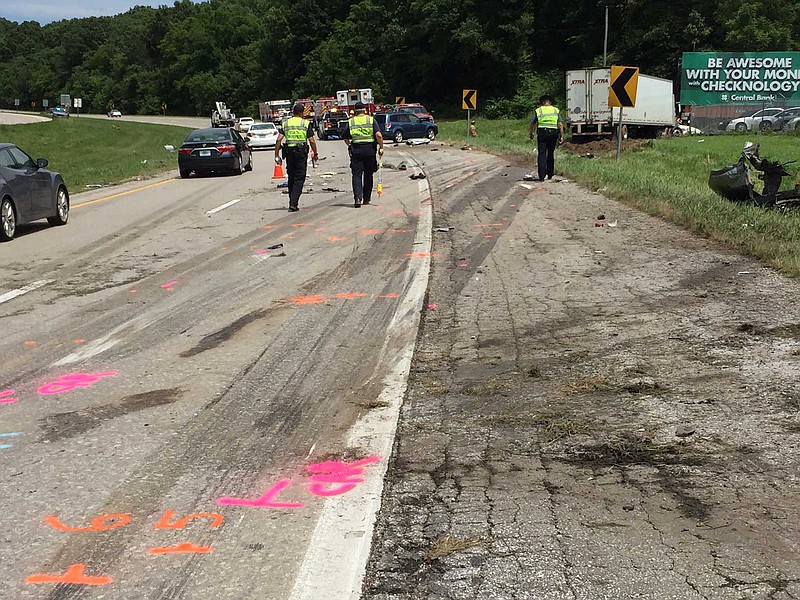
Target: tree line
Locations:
point(243, 51)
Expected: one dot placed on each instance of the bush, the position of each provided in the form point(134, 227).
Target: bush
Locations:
point(532, 87)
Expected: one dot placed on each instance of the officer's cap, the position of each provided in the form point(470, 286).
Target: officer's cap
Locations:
point(360, 106)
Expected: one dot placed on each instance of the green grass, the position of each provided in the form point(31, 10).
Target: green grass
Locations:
point(669, 178)
point(91, 151)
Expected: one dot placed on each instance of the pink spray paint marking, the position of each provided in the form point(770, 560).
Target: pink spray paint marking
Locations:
point(267, 500)
point(333, 477)
point(261, 251)
point(432, 306)
point(5, 397)
point(67, 383)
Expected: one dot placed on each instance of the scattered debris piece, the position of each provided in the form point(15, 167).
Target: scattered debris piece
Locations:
point(588, 155)
point(526, 186)
point(402, 166)
point(94, 185)
point(417, 141)
point(331, 190)
point(489, 208)
point(601, 217)
point(612, 223)
point(283, 185)
point(434, 149)
point(528, 177)
point(418, 176)
point(445, 229)
point(275, 247)
point(169, 148)
point(684, 431)
point(278, 255)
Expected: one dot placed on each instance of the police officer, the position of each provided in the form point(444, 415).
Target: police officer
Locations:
point(297, 133)
point(550, 132)
point(362, 136)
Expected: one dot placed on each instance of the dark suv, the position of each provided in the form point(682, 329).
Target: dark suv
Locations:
point(332, 124)
point(404, 126)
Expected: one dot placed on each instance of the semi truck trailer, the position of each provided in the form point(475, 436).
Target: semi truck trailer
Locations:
point(589, 116)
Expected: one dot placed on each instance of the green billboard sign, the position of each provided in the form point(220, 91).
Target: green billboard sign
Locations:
point(719, 78)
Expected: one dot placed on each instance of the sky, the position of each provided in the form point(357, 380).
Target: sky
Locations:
point(46, 11)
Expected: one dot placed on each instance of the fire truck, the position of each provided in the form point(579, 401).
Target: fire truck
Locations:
point(314, 110)
point(274, 110)
point(346, 99)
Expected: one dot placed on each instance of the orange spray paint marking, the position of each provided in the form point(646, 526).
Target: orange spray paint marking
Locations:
point(350, 296)
point(5, 397)
point(488, 236)
point(392, 295)
point(216, 520)
point(370, 232)
point(333, 238)
point(134, 291)
point(290, 236)
point(265, 227)
point(302, 300)
point(295, 225)
point(186, 548)
point(398, 212)
point(402, 230)
point(79, 341)
point(117, 520)
point(74, 574)
point(419, 255)
point(266, 500)
point(318, 229)
point(169, 284)
point(463, 265)
point(30, 343)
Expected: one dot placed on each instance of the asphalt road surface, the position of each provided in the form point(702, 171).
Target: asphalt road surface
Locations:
point(189, 411)
point(193, 122)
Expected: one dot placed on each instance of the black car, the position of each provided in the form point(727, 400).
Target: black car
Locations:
point(332, 124)
point(29, 192)
point(220, 149)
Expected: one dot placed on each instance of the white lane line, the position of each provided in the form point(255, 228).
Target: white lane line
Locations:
point(223, 207)
point(24, 290)
point(106, 342)
point(336, 560)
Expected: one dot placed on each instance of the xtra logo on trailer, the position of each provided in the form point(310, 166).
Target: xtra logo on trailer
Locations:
point(714, 78)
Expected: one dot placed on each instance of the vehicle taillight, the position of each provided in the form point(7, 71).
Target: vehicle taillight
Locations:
point(184, 151)
point(226, 148)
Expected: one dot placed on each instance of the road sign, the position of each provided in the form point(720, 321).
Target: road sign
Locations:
point(45, 102)
point(623, 86)
point(16, 101)
point(77, 102)
point(65, 100)
point(399, 99)
point(469, 99)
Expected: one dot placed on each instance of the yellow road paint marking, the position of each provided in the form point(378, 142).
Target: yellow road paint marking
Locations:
point(146, 187)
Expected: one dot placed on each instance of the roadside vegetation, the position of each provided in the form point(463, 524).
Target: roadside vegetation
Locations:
point(667, 178)
point(91, 151)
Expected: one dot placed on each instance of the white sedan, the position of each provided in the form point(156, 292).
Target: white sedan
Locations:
point(245, 123)
point(262, 135)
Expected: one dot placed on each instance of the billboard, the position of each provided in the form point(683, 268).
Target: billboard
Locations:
point(740, 78)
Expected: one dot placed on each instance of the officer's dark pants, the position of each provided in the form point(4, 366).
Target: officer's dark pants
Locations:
point(547, 141)
point(363, 164)
point(296, 168)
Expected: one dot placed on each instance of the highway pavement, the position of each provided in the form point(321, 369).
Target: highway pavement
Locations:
point(199, 390)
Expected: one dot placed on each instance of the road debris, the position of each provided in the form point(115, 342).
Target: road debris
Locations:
point(275, 247)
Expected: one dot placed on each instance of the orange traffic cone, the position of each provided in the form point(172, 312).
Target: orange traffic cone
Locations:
point(278, 172)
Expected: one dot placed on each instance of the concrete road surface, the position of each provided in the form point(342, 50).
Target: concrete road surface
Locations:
point(16, 118)
point(199, 390)
point(192, 122)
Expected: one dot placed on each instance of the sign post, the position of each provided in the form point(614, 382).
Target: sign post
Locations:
point(78, 103)
point(622, 93)
point(469, 102)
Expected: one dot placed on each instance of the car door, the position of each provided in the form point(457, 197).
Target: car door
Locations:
point(41, 196)
point(242, 146)
point(18, 185)
point(416, 127)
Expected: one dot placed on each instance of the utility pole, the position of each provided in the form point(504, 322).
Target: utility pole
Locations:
point(605, 41)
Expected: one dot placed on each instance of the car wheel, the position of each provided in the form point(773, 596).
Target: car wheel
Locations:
point(8, 220)
point(741, 127)
point(430, 134)
point(765, 126)
point(398, 136)
point(185, 173)
point(249, 165)
point(62, 208)
point(677, 132)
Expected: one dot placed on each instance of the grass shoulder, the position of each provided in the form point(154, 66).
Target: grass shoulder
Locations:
point(92, 151)
point(668, 178)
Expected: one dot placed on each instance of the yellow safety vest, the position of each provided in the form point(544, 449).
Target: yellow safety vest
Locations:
point(361, 129)
point(547, 117)
point(295, 130)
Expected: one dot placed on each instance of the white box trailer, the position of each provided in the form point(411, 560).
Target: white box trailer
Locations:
point(588, 113)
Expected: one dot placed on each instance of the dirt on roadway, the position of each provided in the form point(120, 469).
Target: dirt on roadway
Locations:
point(594, 411)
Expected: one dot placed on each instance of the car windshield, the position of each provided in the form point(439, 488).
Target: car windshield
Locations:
point(209, 135)
point(260, 126)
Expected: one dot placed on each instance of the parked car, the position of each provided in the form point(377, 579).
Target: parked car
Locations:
point(403, 126)
point(263, 135)
point(414, 109)
point(780, 120)
point(214, 149)
point(793, 125)
point(245, 123)
point(332, 123)
point(114, 113)
point(59, 111)
point(759, 120)
point(29, 192)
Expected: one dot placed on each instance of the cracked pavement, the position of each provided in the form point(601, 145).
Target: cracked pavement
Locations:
point(593, 412)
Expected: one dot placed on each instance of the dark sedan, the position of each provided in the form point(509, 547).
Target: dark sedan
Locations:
point(220, 149)
point(29, 192)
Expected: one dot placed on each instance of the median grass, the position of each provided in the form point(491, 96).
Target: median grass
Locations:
point(669, 178)
point(92, 151)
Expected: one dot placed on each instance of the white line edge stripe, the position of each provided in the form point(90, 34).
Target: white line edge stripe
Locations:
point(24, 290)
point(223, 207)
point(336, 560)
